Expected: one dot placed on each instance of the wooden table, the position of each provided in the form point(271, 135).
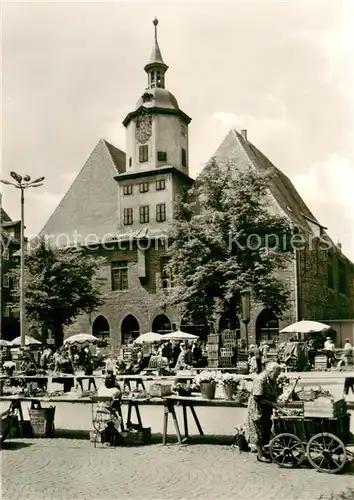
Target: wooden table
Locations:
point(189, 402)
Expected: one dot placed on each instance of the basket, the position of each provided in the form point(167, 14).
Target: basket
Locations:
point(160, 390)
point(42, 420)
point(137, 437)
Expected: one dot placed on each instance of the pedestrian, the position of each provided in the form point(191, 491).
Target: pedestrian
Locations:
point(261, 403)
point(329, 348)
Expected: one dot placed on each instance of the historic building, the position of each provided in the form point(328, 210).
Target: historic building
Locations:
point(120, 206)
point(10, 245)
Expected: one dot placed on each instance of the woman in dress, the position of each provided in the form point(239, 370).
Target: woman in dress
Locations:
point(261, 403)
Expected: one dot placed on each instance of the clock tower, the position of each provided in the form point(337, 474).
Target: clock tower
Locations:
point(157, 130)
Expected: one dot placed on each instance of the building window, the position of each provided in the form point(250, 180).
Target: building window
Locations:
point(330, 277)
point(119, 275)
point(160, 212)
point(161, 156)
point(130, 161)
point(6, 254)
point(144, 214)
point(6, 281)
point(184, 157)
point(128, 216)
point(143, 153)
point(342, 278)
point(144, 187)
point(166, 276)
point(183, 129)
point(6, 311)
point(128, 189)
point(160, 184)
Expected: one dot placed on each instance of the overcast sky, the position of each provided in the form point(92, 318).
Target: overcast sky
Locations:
point(283, 70)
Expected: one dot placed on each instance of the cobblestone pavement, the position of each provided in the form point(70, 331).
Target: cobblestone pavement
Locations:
point(53, 469)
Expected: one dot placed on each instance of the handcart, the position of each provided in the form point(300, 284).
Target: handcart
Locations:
point(322, 441)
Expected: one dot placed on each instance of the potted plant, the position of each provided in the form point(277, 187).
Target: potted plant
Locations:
point(207, 380)
point(9, 368)
point(230, 383)
point(183, 389)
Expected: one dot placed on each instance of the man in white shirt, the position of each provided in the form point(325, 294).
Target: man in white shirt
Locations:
point(329, 348)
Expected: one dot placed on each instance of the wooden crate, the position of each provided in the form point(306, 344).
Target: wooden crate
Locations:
point(226, 351)
point(213, 339)
point(325, 408)
point(213, 363)
point(225, 362)
point(212, 348)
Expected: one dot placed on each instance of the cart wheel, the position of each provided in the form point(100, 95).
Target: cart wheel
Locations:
point(287, 450)
point(326, 453)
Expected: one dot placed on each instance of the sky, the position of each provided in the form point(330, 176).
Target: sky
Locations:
point(283, 70)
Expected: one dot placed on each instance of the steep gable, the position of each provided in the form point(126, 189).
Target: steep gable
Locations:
point(89, 209)
point(283, 196)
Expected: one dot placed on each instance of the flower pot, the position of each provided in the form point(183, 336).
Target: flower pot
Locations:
point(208, 390)
point(184, 392)
point(229, 391)
point(9, 371)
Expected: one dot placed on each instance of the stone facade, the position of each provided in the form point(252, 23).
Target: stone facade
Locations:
point(109, 187)
point(10, 245)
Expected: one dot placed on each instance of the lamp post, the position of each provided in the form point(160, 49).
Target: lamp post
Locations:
point(246, 310)
point(22, 183)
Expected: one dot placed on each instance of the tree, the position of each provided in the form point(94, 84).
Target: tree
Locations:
point(60, 284)
point(224, 239)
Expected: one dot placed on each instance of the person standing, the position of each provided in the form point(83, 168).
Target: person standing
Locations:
point(261, 403)
point(329, 348)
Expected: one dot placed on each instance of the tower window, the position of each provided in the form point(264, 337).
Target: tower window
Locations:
point(130, 161)
point(128, 189)
point(160, 212)
point(119, 275)
point(184, 157)
point(160, 184)
point(128, 217)
point(161, 156)
point(144, 214)
point(143, 153)
point(183, 129)
point(144, 187)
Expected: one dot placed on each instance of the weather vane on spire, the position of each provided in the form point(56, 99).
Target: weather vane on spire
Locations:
point(155, 22)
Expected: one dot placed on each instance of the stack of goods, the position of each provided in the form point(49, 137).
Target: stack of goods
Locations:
point(160, 390)
point(213, 351)
point(242, 362)
point(229, 343)
point(320, 363)
point(323, 407)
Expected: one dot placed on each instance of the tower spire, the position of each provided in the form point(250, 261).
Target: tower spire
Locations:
point(156, 68)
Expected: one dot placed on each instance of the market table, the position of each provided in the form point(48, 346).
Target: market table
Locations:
point(190, 402)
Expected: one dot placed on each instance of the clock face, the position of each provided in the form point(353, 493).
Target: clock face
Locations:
point(143, 127)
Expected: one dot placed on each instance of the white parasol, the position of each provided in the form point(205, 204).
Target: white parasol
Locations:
point(305, 326)
point(28, 341)
point(148, 338)
point(4, 343)
point(179, 335)
point(80, 338)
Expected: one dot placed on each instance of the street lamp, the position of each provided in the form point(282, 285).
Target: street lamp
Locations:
point(246, 310)
point(22, 183)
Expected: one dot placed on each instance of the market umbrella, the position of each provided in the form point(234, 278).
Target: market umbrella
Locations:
point(306, 326)
point(28, 341)
point(80, 338)
point(178, 335)
point(4, 343)
point(148, 338)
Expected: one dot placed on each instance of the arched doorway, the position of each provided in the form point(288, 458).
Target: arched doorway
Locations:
point(195, 325)
point(161, 324)
point(130, 329)
point(230, 322)
point(100, 328)
point(267, 327)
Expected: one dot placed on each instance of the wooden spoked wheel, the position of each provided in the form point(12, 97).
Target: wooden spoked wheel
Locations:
point(287, 450)
point(326, 453)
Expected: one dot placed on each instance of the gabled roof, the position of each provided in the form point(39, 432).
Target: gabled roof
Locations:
point(89, 208)
point(4, 216)
point(237, 148)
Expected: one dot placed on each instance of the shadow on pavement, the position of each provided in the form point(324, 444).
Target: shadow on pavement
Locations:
point(155, 438)
point(14, 445)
